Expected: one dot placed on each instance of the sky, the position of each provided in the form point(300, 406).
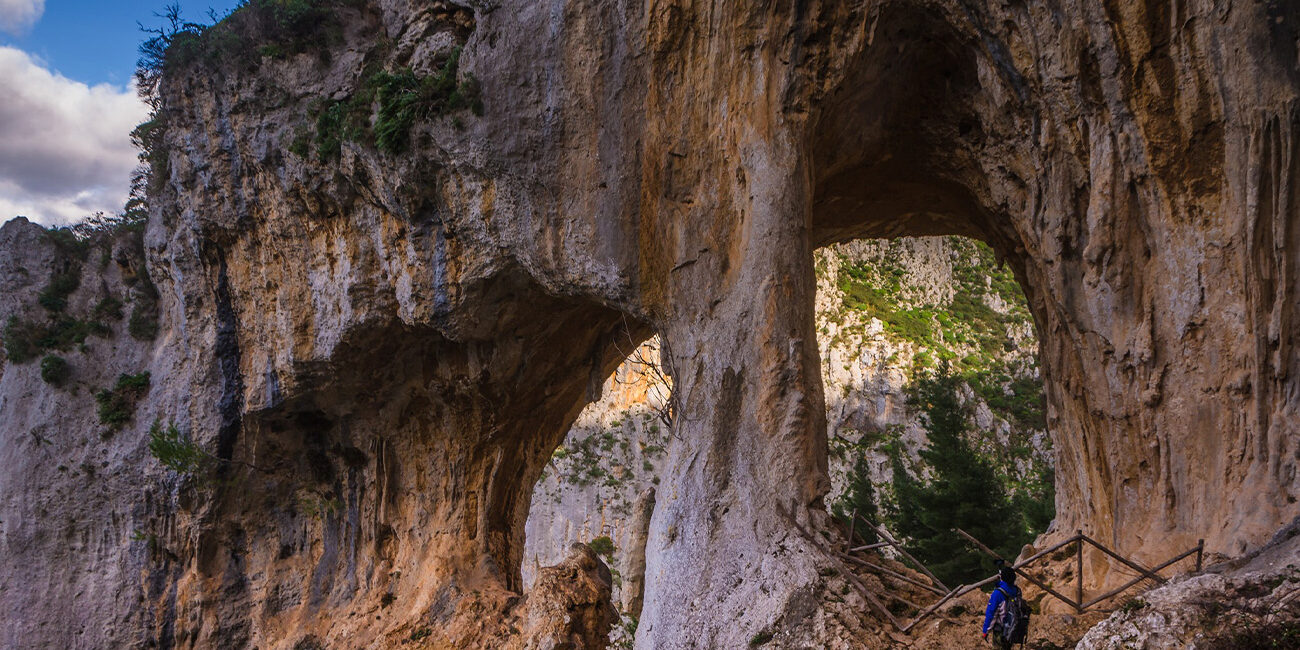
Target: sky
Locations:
point(68, 103)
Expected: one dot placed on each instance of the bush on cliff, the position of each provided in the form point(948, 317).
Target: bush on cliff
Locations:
point(117, 404)
point(55, 370)
point(175, 452)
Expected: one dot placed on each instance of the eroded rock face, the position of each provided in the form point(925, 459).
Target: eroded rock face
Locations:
point(395, 342)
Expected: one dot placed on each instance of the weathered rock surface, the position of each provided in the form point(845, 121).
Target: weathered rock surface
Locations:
point(398, 342)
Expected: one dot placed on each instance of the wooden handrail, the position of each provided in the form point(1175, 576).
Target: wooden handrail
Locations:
point(1078, 605)
point(853, 579)
point(1047, 550)
point(1116, 591)
point(1127, 562)
point(868, 547)
point(1079, 538)
point(894, 574)
point(890, 538)
point(955, 593)
point(1028, 577)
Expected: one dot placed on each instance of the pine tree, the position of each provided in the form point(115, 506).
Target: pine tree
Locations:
point(963, 492)
point(859, 497)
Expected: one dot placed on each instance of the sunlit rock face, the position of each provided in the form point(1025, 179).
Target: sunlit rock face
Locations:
point(391, 342)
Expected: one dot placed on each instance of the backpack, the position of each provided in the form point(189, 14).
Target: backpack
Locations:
point(1011, 621)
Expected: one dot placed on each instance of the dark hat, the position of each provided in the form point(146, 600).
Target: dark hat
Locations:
point(1007, 574)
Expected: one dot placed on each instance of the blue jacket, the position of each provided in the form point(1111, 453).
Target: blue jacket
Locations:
point(996, 599)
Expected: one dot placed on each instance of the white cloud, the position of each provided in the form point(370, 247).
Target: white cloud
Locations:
point(65, 147)
point(18, 16)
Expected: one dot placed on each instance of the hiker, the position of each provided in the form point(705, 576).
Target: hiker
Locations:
point(1007, 614)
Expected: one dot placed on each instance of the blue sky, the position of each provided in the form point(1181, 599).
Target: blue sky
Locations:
point(96, 41)
point(68, 106)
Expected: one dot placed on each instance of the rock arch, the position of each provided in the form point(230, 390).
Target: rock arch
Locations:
point(668, 166)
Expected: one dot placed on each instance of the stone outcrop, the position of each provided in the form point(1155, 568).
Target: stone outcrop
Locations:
point(384, 346)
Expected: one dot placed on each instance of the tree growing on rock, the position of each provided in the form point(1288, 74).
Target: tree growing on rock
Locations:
point(860, 498)
point(963, 491)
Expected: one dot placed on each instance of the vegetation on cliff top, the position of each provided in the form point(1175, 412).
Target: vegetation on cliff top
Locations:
point(254, 29)
point(382, 109)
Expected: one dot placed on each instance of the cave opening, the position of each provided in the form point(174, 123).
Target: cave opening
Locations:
point(935, 406)
point(894, 162)
point(599, 485)
point(919, 257)
point(890, 315)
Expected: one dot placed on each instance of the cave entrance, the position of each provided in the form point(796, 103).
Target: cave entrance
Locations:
point(904, 150)
point(599, 485)
point(935, 406)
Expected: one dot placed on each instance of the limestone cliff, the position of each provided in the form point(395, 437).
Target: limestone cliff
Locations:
point(398, 245)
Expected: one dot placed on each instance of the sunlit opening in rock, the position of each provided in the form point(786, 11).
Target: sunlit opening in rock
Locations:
point(918, 335)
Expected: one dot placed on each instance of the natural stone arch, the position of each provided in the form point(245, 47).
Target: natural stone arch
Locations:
point(1053, 133)
point(1088, 160)
point(392, 472)
point(679, 181)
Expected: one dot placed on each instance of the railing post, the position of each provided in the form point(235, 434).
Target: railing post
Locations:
point(1078, 592)
point(1200, 552)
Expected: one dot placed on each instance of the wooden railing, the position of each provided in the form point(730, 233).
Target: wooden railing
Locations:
point(936, 586)
point(1079, 540)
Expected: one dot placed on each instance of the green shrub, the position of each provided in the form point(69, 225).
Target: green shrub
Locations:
point(405, 99)
point(54, 297)
point(256, 29)
point(25, 341)
point(1132, 605)
point(69, 244)
point(55, 370)
point(602, 545)
point(66, 333)
point(117, 405)
point(342, 120)
point(300, 145)
point(148, 138)
point(175, 452)
point(143, 325)
point(1250, 634)
point(22, 340)
point(109, 308)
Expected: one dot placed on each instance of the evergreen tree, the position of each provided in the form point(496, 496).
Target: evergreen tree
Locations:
point(1037, 502)
point(859, 497)
point(963, 492)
